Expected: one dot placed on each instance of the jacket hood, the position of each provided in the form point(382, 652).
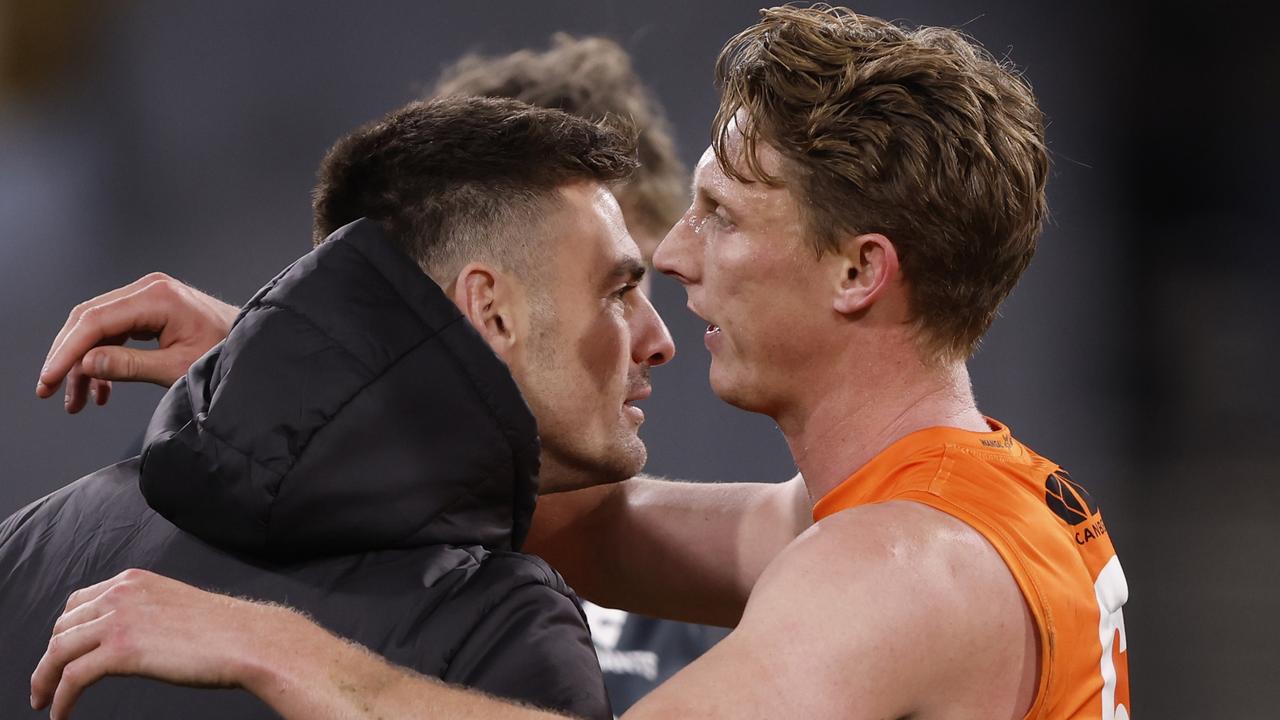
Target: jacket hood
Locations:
point(352, 408)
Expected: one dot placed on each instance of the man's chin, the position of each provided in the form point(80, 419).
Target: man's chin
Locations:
point(725, 387)
point(566, 474)
point(737, 393)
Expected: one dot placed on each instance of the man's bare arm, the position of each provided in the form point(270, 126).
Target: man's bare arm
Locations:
point(886, 611)
point(89, 352)
point(684, 551)
point(139, 623)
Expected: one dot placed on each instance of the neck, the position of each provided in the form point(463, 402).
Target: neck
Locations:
point(849, 424)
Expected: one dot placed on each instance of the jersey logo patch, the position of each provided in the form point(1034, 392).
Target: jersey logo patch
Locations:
point(1068, 499)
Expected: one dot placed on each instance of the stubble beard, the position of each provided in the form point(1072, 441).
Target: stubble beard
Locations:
point(568, 463)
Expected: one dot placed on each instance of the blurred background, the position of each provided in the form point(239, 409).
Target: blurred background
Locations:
point(1137, 351)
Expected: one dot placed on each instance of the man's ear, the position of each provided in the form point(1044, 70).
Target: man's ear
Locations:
point(488, 299)
point(867, 266)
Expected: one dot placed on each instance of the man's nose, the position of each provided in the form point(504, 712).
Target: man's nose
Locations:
point(674, 254)
point(651, 342)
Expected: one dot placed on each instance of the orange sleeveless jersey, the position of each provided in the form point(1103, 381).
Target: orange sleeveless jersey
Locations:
point(1051, 536)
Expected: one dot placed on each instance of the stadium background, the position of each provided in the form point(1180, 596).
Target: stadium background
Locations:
point(183, 137)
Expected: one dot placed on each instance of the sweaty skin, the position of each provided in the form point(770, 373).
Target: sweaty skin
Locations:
point(887, 610)
point(792, 654)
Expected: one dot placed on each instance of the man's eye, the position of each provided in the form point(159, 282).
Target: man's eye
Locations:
point(714, 219)
point(622, 291)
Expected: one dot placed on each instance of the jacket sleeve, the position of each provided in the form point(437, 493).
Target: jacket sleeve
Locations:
point(534, 647)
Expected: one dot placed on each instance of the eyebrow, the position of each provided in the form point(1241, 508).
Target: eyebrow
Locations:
point(630, 268)
point(709, 195)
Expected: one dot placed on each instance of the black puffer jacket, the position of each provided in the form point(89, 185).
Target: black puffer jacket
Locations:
point(355, 450)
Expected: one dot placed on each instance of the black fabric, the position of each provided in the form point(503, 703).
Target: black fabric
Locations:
point(353, 449)
point(350, 382)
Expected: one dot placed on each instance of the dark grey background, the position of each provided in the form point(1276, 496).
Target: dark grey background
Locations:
point(1137, 351)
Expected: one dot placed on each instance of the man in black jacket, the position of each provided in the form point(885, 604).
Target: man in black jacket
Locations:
point(360, 446)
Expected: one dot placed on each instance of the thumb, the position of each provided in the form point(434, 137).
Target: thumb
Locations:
point(116, 362)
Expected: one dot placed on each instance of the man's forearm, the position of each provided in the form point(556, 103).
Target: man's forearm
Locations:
point(143, 624)
point(685, 551)
point(319, 675)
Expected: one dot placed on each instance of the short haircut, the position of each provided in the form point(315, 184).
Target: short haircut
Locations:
point(918, 134)
point(463, 178)
point(591, 77)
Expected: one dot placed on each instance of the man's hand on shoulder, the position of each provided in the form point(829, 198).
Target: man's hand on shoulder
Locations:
point(89, 351)
point(140, 623)
point(886, 610)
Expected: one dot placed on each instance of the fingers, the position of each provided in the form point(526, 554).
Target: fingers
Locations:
point(80, 674)
point(117, 362)
point(83, 671)
point(64, 650)
point(107, 321)
point(78, 653)
point(77, 390)
point(45, 388)
point(100, 390)
point(92, 377)
point(74, 316)
point(93, 592)
point(79, 615)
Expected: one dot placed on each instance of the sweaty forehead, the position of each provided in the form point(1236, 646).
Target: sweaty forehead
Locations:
point(746, 199)
point(734, 146)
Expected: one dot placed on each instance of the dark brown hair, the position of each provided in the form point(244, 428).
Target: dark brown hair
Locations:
point(458, 178)
point(591, 77)
point(918, 134)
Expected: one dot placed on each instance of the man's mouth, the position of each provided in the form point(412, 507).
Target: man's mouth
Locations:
point(712, 328)
point(638, 387)
point(636, 395)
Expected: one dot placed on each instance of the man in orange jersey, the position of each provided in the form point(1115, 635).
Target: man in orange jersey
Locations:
point(870, 196)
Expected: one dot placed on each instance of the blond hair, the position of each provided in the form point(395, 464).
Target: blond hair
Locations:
point(918, 134)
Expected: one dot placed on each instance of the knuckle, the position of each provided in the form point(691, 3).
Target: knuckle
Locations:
point(156, 276)
point(115, 594)
point(72, 600)
point(74, 675)
point(129, 367)
point(163, 286)
point(132, 575)
point(90, 315)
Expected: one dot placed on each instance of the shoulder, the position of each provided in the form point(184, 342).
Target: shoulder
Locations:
point(915, 599)
point(522, 595)
point(531, 644)
point(112, 490)
point(504, 572)
point(501, 589)
point(885, 546)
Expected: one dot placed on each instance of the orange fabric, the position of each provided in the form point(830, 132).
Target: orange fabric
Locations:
point(1050, 534)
